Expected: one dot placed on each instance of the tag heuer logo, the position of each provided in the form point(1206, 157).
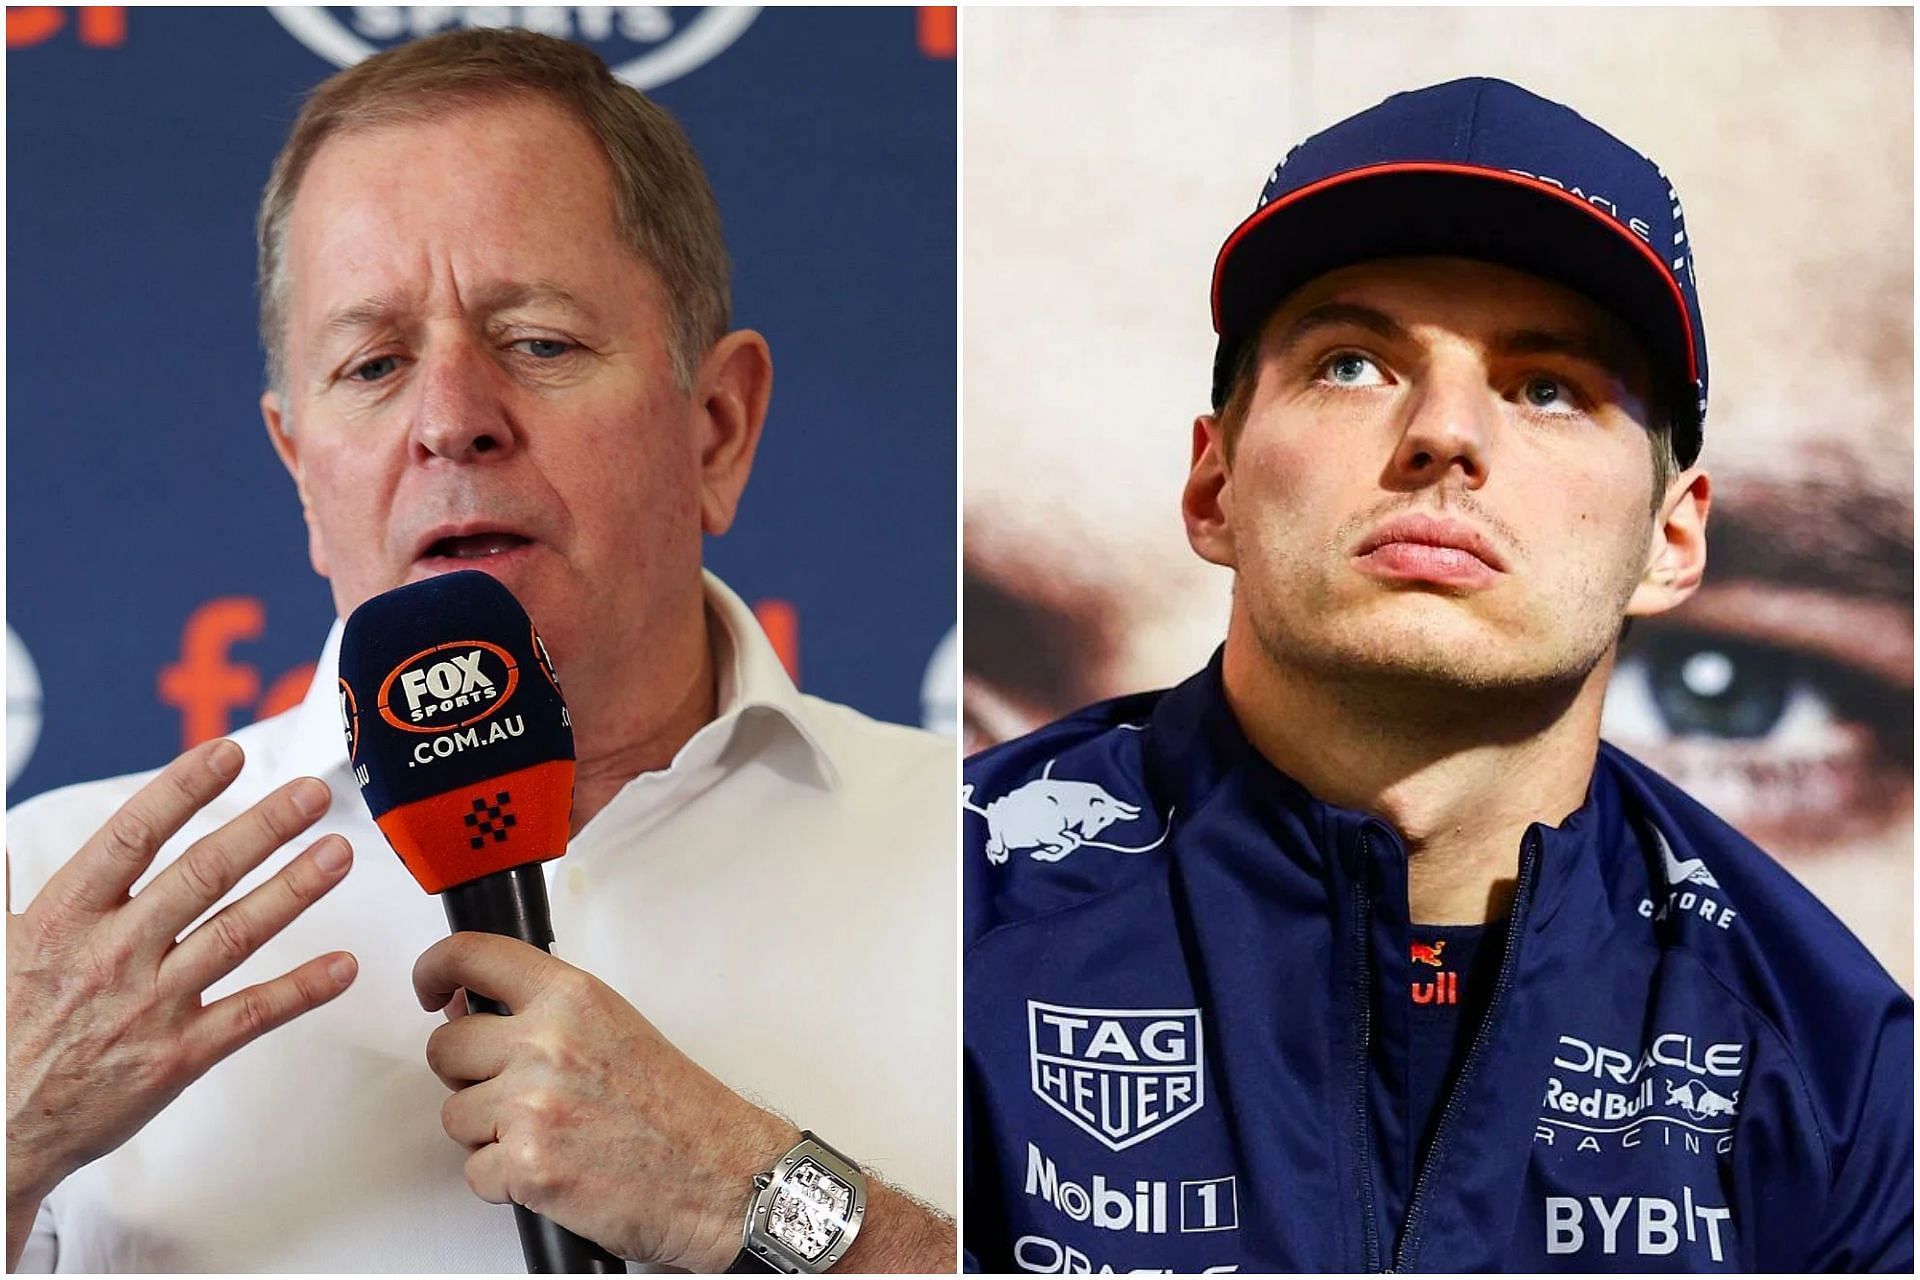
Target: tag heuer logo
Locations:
point(1122, 1075)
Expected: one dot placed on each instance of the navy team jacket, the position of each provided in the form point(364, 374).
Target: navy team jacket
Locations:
point(1184, 1050)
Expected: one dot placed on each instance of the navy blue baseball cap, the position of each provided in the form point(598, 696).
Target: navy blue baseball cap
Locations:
point(1482, 169)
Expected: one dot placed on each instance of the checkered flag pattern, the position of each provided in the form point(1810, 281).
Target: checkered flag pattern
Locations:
point(489, 820)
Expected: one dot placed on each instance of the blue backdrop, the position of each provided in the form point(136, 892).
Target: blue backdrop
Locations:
point(146, 512)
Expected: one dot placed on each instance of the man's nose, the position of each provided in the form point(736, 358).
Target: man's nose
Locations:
point(1449, 424)
point(462, 412)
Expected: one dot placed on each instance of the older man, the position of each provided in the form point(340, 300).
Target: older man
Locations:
point(1358, 951)
point(494, 295)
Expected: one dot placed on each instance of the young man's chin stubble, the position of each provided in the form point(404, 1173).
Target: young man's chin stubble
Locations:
point(1437, 672)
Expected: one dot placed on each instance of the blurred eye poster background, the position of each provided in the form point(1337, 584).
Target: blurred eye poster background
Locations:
point(1781, 696)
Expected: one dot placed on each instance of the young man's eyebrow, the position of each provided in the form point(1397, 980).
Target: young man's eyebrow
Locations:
point(1593, 348)
point(1331, 315)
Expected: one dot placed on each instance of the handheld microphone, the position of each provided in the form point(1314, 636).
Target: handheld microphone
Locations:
point(463, 748)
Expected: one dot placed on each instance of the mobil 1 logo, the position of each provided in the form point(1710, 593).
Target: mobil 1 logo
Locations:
point(1120, 1075)
point(1142, 1206)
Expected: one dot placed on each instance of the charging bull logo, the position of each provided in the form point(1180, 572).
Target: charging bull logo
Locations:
point(448, 686)
point(1052, 817)
point(1429, 953)
point(1121, 1075)
point(1699, 1101)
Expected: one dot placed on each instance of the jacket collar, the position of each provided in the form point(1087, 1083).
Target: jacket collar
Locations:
point(1196, 744)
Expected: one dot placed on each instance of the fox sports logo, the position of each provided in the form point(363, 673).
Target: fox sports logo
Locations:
point(645, 45)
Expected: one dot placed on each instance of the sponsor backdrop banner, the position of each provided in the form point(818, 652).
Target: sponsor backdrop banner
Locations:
point(1782, 694)
point(160, 592)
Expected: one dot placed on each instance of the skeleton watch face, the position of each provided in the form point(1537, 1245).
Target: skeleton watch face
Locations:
point(810, 1209)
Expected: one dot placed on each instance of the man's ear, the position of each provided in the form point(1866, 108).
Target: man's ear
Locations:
point(1206, 503)
point(1676, 548)
point(730, 397)
point(280, 431)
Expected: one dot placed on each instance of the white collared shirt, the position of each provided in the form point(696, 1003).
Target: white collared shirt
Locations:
point(779, 902)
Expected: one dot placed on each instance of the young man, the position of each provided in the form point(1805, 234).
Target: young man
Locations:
point(1358, 950)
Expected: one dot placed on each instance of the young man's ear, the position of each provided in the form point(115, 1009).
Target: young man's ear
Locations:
point(1676, 547)
point(730, 394)
point(280, 432)
point(1206, 503)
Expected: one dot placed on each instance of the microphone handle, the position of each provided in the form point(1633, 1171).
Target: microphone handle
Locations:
point(514, 903)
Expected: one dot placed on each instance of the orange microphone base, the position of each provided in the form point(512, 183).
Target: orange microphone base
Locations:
point(482, 827)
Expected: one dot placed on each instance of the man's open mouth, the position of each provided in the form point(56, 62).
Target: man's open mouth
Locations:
point(474, 546)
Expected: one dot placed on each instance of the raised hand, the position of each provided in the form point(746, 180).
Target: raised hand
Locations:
point(105, 1022)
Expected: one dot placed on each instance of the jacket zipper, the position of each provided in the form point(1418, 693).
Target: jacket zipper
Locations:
point(1516, 921)
point(1364, 969)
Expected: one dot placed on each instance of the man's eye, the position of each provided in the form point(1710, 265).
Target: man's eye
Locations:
point(1792, 748)
point(1724, 690)
point(1549, 395)
point(1351, 369)
point(544, 348)
point(375, 369)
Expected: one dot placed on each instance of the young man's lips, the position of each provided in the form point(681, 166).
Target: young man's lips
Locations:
point(1423, 561)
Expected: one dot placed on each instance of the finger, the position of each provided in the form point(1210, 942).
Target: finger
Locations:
point(487, 1174)
point(202, 875)
point(507, 970)
point(471, 1116)
point(225, 1025)
point(457, 1007)
point(476, 1047)
point(217, 947)
point(97, 878)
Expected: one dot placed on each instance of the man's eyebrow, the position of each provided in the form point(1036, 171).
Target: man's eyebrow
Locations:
point(1833, 535)
point(509, 295)
point(1595, 349)
point(360, 315)
point(488, 300)
point(1330, 315)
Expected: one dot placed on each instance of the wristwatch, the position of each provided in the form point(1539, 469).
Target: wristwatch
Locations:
point(805, 1211)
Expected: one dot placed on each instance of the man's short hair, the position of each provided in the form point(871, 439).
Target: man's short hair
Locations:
point(1661, 418)
point(662, 202)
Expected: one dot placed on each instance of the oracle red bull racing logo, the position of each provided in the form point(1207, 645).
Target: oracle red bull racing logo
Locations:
point(1680, 1092)
point(1121, 1075)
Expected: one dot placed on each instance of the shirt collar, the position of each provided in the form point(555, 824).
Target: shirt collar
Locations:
point(751, 676)
point(751, 684)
